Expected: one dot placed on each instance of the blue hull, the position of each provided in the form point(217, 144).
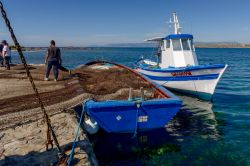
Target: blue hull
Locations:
point(125, 116)
point(128, 117)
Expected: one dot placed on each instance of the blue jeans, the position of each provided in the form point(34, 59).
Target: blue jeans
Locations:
point(7, 62)
point(55, 65)
point(1, 60)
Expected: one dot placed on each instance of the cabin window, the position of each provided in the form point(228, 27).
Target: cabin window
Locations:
point(176, 44)
point(191, 45)
point(167, 43)
point(162, 43)
point(185, 44)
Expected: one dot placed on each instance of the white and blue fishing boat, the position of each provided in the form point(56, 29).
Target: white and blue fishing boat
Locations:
point(177, 67)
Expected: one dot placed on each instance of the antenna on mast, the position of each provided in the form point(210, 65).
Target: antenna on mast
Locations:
point(175, 21)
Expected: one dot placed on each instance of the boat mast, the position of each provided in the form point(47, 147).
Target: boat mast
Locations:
point(176, 24)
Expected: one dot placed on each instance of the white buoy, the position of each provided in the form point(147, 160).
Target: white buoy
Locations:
point(90, 125)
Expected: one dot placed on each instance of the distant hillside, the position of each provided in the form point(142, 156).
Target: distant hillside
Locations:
point(143, 44)
point(221, 45)
point(197, 45)
point(63, 48)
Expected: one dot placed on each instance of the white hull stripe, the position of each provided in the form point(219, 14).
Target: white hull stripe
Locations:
point(185, 73)
point(190, 68)
point(184, 78)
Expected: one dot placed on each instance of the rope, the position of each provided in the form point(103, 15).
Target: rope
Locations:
point(77, 131)
point(19, 50)
point(150, 91)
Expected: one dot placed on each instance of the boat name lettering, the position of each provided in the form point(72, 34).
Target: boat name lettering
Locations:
point(142, 118)
point(183, 73)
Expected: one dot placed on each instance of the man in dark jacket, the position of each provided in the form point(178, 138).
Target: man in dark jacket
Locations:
point(53, 59)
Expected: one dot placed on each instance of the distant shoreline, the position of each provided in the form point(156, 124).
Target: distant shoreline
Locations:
point(34, 49)
point(222, 45)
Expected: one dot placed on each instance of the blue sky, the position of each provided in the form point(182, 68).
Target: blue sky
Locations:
point(97, 22)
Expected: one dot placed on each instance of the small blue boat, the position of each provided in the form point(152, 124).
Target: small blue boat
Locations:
point(138, 114)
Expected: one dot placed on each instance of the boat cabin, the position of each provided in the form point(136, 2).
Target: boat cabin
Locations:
point(176, 50)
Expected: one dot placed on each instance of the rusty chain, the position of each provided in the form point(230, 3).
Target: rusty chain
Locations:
point(46, 117)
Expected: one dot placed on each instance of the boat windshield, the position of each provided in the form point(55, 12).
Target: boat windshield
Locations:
point(162, 46)
point(185, 44)
point(167, 43)
point(176, 44)
point(192, 45)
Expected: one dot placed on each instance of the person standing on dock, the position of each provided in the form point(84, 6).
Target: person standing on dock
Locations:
point(53, 59)
point(6, 54)
point(1, 57)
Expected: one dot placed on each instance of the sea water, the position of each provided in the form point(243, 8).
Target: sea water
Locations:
point(202, 133)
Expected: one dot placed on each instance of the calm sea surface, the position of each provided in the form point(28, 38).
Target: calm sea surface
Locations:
point(202, 133)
